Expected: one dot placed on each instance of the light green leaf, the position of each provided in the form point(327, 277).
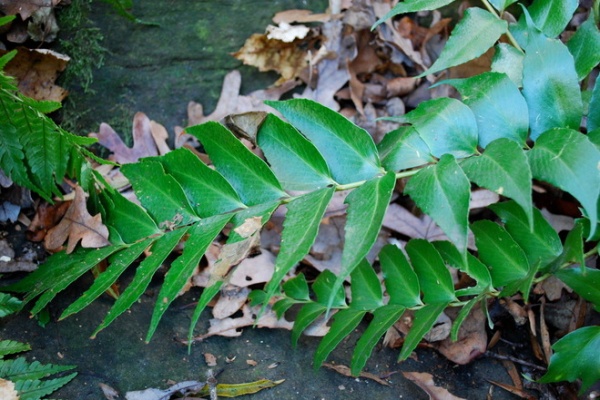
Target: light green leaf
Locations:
point(383, 318)
point(323, 288)
point(499, 251)
point(573, 250)
point(36, 389)
point(297, 288)
point(366, 208)
point(401, 282)
point(207, 191)
point(159, 193)
point(472, 267)
point(462, 315)
point(407, 6)
point(552, 16)
point(503, 168)
point(585, 283)
point(300, 229)
point(593, 117)
point(500, 109)
point(12, 156)
point(550, 84)
point(509, 60)
point(249, 175)
point(117, 264)
point(201, 236)
point(306, 316)
point(131, 221)
point(366, 288)
point(540, 242)
point(434, 278)
point(19, 369)
point(281, 306)
point(403, 148)
point(474, 34)
point(349, 150)
point(9, 304)
point(442, 191)
point(446, 125)
point(585, 47)
point(568, 160)
point(576, 356)
point(423, 321)
point(295, 160)
point(8, 347)
point(344, 322)
point(208, 294)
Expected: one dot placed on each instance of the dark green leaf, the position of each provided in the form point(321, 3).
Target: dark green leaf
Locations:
point(411, 6)
point(574, 245)
point(11, 347)
point(552, 16)
point(19, 369)
point(501, 5)
point(499, 107)
point(249, 175)
point(349, 150)
point(207, 191)
point(434, 278)
point(401, 282)
point(36, 389)
point(344, 322)
point(201, 236)
point(130, 220)
point(550, 84)
point(585, 47)
point(366, 288)
point(159, 193)
point(472, 267)
point(366, 208)
point(541, 244)
point(499, 251)
point(442, 191)
point(208, 294)
point(462, 315)
point(446, 125)
point(593, 118)
point(383, 318)
point(585, 283)
point(300, 229)
point(12, 156)
point(9, 304)
point(509, 60)
point(568, 160)
point(403, 148)
point(296, 288)
point(264, 211)
point(474, 34)
point(296, 161)
point(306, 316)
point(281, 306)
point(576, 356)
point(503, 168)
point(423, 321)
point(323, 288)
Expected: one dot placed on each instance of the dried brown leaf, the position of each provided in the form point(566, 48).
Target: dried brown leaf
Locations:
point(425, 382)
point(7, 390)
point(472, 340)
point(232, 298)
point(301, 16)
point(25, 8)
point(344, 370)
point(76, 225)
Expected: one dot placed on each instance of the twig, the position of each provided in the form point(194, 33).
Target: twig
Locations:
point(514, 359)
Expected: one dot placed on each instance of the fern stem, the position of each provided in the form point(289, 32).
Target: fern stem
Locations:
point(509, 35)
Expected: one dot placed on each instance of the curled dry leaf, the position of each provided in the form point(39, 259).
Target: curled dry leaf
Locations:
point(76, 225)
point(472, 339)
point(232, 299)
point(425, 382)
point(25, 8)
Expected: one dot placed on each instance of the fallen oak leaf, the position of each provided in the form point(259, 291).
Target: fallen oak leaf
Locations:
point(76, 225)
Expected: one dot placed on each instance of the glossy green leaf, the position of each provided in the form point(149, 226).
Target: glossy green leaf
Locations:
point(593, 118)
point(550, 84)
point(573, 250)
point(442, 191)
point(474, 34)
point(403, 148)
point(584, 45)
point(423, 321)
point(117, 264)
point(366, 288)
point(401, 282)
point(349, 150)
point(446, 125)
point(143, 274)
point(509, 60)
point(250, 176)
point(201, 236)
point(281, 306)
point(344, 322)
point(296, 288)
point(472, 267)
point(499, 251)
point(501, 5)
point(503, 168)
point(576, 356)
point(500, 109)
point(208, 192)
point(540, 243)
point(462, 315)
point(552, 16)
point(159, 193)
point(585, 283)
point(300, 229)
point(434, 278)
point(366, 208)
point(12, 347)
point(207, 295)
point(295, 160)
point(130, 220)
point(568, 160)
point(383, 318)
point(324, 289)
point(9, 304)
point(407, 6)
point(306, 316)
